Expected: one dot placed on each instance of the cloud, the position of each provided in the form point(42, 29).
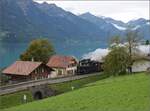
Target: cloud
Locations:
point(99, 53)
point(96, 55)
point(120, 10)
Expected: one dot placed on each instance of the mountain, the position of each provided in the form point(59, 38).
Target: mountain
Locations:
point(118, 22)
point(142, 26)
point(140, 21)
point(24, 20)
point(144, 29)
point(102, 23)
point(116, 27)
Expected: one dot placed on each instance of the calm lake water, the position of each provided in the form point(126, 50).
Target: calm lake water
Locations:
point(9, 52)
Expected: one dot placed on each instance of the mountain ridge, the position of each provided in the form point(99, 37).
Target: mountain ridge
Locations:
point(140, 25)
point(30, 20)
point(34, 20)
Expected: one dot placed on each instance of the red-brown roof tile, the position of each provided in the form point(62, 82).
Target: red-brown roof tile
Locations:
point(21, 67)
point(59, 61)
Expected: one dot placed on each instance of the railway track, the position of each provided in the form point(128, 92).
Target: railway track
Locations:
point(25, 85)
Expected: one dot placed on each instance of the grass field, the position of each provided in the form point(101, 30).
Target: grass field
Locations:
point(14, 99)
point(124, 93)
point(66, 86)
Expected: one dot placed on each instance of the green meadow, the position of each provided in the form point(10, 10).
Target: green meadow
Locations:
point(123, 93)
point(16, 98)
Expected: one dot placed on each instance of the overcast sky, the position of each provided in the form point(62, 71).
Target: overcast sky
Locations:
point(119, 10)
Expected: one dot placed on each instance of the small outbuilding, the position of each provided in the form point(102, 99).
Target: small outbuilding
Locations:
point(142, 64)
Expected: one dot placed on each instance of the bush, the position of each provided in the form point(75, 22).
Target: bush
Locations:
point(3, 78)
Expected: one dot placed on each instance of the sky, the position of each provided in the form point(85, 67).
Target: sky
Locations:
point(119, 10)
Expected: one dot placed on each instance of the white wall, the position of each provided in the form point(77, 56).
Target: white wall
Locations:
point(140, 66)
point(74, 68)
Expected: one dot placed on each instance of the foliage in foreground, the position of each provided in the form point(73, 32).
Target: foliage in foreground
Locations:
point(125, 93)
point(116, 62)
point(39, 50)
point(3, 78)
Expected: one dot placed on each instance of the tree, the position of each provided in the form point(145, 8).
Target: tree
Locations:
point(132, 40)
point(38, 50)
point(147, 42)
point(128, 46)
point(117, 61)
point(115, 41)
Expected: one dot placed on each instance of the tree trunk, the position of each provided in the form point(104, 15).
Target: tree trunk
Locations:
point(130, 54)
point(130, 69)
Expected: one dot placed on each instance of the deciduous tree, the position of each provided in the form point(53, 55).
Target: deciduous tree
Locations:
point(38, 50)
point(132, 40)
point(117, 61)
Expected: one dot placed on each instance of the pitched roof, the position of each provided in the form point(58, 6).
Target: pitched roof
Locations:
point(21, 67)
point(59, 61)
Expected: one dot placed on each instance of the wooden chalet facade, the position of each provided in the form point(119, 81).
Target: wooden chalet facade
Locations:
point(26, 70)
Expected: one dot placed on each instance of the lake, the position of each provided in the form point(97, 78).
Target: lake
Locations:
point(10, 52)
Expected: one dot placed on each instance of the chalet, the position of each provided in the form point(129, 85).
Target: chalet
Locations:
point(86, 66)
point(27, 70)
point(63, 65)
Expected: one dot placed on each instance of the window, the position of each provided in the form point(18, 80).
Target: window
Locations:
point(59, 72)
point(42, 70)
point(36, 71)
